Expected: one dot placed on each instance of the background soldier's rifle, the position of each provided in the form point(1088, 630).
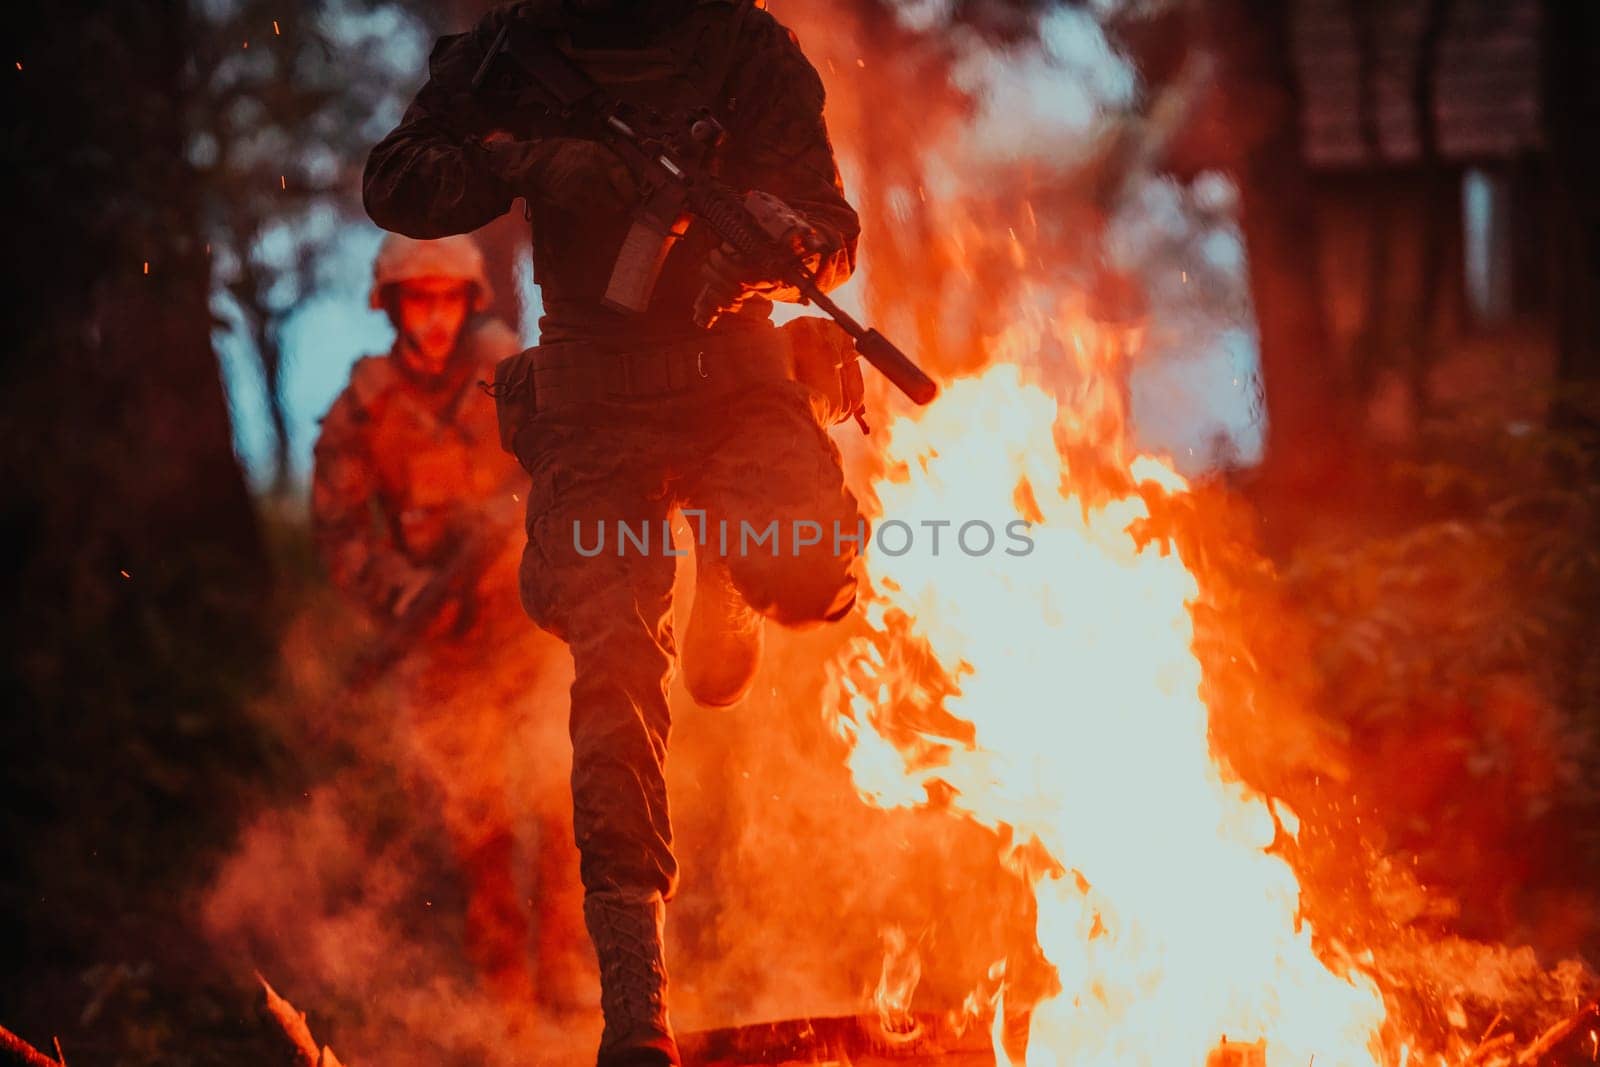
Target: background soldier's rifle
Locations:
point(664, 157)
point(475, 552)
point(456, 577)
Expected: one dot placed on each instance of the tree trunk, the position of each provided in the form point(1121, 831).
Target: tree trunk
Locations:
point(271, 349)
point(1372, 352)
point(1572, 115)
point(1441, 207)
point(118, 445)
point(135, 565)
point(1306, 394)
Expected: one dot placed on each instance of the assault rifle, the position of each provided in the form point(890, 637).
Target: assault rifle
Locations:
point(475, 552)
point(474, 555)
point(663, 155)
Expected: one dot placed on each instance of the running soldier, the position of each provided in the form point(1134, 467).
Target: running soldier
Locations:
point(620, 417)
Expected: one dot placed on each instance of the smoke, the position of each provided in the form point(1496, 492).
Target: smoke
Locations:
point(1009, 160)
point(429, 846)
point(353, 896)
point(1196, 385)
point(1045, 101)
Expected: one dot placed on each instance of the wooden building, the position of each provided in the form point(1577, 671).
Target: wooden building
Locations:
point(1424, 130)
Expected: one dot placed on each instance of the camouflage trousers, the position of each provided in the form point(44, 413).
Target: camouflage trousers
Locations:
point(607, 478)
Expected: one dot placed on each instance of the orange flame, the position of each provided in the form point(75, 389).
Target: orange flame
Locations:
point(1069, 718)
point(902, 970)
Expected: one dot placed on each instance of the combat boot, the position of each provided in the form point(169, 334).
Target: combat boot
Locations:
point(627, 930)
point(722, 648)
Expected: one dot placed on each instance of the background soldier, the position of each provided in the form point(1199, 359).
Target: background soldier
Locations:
point(408, 475)
point(635, 413)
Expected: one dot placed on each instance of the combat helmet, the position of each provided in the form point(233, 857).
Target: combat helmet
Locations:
point(402, 259)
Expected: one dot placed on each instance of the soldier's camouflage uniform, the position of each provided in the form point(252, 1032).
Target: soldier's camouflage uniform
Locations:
point(400, 465)
point(757, 454)
point(403, 468)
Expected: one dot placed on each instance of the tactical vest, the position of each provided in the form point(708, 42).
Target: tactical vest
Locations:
point(433, 451)
point(683, 67)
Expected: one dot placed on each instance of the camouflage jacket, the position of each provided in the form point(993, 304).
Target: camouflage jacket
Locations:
point(402, 470)
point(431, 176)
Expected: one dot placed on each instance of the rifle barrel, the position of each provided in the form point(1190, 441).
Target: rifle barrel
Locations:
point(874, 346)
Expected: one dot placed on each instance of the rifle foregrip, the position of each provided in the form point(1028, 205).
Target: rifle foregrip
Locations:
point(897, 367)
point(730, 220)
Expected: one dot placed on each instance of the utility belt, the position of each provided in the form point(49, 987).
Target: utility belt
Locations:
point(550, 377)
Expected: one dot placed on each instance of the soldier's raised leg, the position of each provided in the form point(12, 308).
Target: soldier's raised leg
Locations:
point(794, 531)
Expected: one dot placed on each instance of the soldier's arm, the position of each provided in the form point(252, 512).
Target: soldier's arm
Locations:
point(356, 547)
point(781, 140)
point(432, 176)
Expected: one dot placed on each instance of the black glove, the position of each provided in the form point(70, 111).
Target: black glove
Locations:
point(730, 279)
point(450, 618)
point(573, 175)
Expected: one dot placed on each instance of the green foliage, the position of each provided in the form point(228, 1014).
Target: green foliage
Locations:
point(1457, 638)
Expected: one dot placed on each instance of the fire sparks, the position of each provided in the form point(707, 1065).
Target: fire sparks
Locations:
point(1075, 729)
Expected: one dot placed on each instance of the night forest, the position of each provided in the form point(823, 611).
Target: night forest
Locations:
point(1399, 609)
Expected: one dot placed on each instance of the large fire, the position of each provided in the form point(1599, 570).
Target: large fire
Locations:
point(1071, 720)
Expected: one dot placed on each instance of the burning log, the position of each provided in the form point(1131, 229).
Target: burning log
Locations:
point(300, 1049)
point(1490, 1048)
point(930, 1039)
point(934, 1041)
point(15, 1052)
point(1554, 1039)
point(1499, 1049)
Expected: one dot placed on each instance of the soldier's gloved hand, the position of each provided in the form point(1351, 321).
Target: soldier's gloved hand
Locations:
point(451, 617)
point(405, 589)
point(573, 175)
point(729, 279)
